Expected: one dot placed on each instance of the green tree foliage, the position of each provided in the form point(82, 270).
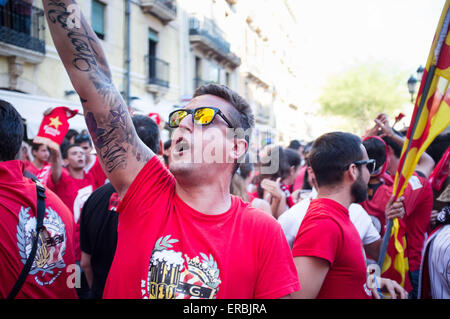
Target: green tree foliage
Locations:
point(359, 94)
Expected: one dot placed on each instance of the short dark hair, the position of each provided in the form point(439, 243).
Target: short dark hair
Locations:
point(11, 131)
point(82, 138)
point(71, 133)
point(376, 150)
point(438, 147)
point(397, 148)
point(331, 153)
point(65, 150)
point(295, 145)
point(148, 131)
point(36, 146)
point(243, 118)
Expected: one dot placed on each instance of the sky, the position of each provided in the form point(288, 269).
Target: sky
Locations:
point(336, 34)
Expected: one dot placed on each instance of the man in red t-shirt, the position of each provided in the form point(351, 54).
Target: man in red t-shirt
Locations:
point(71, 184)
point(92, 166)
point(50, 274)
point(40, 153)
point(180, 234)
point(328, 251)
point(418, 197)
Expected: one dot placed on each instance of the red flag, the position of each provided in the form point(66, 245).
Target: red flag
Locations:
point(54, 126)
point(430, 117)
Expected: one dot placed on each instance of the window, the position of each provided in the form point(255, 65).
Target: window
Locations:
point(98, 18)
point(152, 43)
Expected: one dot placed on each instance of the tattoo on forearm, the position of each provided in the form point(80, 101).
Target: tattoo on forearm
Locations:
point(113, 134)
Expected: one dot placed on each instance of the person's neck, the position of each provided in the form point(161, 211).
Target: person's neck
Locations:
point(38, 163)
point(338, 194)
point(374, 180)
point(393, 167)
point(287, 181)
point(208, 198)
point(89, 159)
point(77, 173)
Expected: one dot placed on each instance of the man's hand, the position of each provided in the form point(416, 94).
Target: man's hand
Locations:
point(395, 209)
point(433, 218)
point(390, 286)
point(382, 122)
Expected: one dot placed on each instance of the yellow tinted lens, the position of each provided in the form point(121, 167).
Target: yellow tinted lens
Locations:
point(177, 117)
point(204, 116)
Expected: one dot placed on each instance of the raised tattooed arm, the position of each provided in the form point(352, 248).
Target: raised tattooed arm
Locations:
point(121, 152)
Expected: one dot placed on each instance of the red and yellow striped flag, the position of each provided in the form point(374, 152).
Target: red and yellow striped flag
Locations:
point(430, 117)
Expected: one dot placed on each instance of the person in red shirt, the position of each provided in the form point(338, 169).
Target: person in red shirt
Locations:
point(92, 166)
point(71, 184)
point(328, 251)
point(50, 273)
point(40, 153)
point(418, 197)
point(180, 233)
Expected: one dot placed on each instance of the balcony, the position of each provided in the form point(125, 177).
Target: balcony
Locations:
point(207, 37)
point(158, 75)
point(22, 31)
point(165, 10)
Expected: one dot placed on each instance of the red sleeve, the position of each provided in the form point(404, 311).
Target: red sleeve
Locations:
point(417, 223)
point(275, 255)
point(318, 237)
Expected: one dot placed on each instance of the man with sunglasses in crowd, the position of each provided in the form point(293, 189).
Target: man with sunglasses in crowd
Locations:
point(328, 251)
point(180, 234)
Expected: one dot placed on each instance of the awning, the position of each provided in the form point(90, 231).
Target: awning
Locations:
point(32, 107)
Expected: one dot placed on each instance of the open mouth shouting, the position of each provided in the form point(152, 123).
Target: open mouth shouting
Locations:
point(181, 146)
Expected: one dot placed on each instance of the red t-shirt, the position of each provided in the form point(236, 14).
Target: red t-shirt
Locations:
point(29, 166)
point(166, 249)
point(42, 174)
point(50, 271)
point(97, 173)
point(327, 232)
point(418, 204)
point(74, 193)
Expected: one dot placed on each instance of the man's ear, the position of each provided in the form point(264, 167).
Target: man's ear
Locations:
point(353, 172)
point(239, 148)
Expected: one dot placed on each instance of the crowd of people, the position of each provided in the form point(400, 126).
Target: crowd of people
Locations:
point(144, 218)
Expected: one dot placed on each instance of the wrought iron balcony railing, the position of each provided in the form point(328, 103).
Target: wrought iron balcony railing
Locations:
point(22, 25)
point(166, 10)
point(158, 71)
point(207, 36)
point(208, 29)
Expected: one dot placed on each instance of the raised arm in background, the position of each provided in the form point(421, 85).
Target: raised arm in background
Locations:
point(122, 154)
point(426, 162)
